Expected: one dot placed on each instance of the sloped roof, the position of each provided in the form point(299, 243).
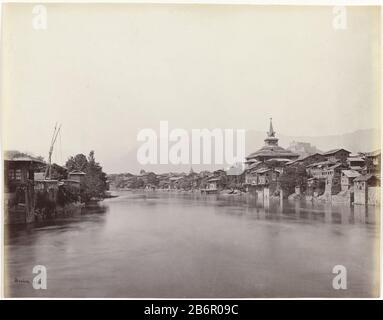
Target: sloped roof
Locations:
point(318, 164)
point(355, 159)
point(272, 151)
point(292, 162)
point(364, 177)
point(373, 153)
point(77, 172)
point(279, 160)
point(335, 166)
point(71, 181)
point(263, 170)
point(23, 158)
point(234, 171)
point(253, 165)
point(333, 151)
point(309, 156)
point(175, 178)
point(351, 173)
point(323, 163)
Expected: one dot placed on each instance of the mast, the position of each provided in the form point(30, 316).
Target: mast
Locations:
point(48, 170)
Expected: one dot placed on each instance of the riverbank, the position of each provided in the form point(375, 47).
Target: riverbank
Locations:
point(221, 192)
point(70, 210)
point(345, 198)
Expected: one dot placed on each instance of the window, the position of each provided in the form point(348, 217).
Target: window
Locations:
point(11, 174)
point(18, 174)
point(14, 174)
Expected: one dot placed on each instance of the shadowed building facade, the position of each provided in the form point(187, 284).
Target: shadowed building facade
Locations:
point(19, 193)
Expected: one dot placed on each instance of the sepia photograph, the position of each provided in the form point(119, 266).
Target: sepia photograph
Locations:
point(190, 151)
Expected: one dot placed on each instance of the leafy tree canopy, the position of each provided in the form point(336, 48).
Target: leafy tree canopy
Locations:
point(94, 183)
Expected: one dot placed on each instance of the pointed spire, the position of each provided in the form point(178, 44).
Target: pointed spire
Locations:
point(271, 132)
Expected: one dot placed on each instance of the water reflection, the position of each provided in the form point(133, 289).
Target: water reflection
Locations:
point(287, 210)
point(159, 244)
point(93, 214)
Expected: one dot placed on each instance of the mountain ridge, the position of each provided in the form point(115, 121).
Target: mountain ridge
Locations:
point(364, 140)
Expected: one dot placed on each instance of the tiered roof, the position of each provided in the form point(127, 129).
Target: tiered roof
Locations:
point(271, 149)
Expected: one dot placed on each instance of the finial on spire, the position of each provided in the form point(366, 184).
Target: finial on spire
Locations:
point(271, 132)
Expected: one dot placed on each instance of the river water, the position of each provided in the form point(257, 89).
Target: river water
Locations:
point(158, 244)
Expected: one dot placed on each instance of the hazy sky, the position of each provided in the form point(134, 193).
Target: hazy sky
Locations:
point(106, 71)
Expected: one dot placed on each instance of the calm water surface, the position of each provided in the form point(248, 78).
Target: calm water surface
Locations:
point(185, 245)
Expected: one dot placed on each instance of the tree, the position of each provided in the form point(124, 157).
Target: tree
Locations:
point(185, 184)
point(78, 162)
point(58, 172)
point(94, 182)
point(152, 179)
point(293, 176)
point(136, 183)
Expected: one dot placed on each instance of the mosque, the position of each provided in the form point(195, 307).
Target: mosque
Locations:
point(271, 150)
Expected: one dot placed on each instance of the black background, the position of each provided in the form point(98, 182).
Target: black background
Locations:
point(248, 309)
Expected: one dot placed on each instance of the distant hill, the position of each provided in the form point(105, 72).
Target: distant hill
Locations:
point(358, 141)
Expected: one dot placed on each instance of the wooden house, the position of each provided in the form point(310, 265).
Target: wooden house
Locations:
point(310, 159)
point(213, 185)
point(347, 179)
point(356, 163)
point(367, 190)
point(337, 154)
point(76, 175)
point(19, 193)
point(235, 175)
point(373, 161)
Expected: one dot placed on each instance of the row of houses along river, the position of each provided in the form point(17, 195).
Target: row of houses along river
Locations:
point(335, 176)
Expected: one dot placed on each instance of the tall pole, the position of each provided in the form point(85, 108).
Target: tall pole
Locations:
point(48, 171)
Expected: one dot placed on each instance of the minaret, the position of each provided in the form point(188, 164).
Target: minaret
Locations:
point(271, 140)
point(271, 132)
